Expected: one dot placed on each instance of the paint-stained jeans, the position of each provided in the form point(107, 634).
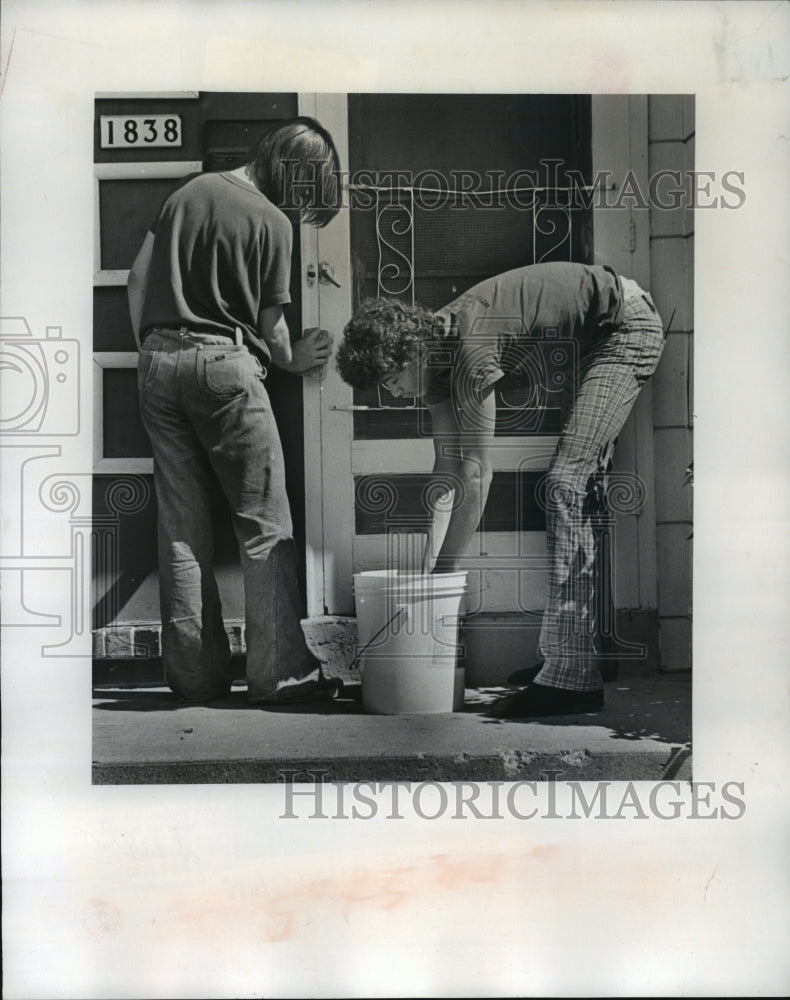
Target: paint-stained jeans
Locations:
point(208, 416)
point(612, 374)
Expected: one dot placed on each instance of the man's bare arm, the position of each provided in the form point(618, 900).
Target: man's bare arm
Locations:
point(135, 286)
point(462, 459)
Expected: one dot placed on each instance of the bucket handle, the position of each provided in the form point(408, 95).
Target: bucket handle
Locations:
point(401, 609)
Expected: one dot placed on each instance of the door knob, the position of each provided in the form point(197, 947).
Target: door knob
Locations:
point(326, 274)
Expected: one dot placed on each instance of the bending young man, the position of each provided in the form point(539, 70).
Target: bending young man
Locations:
point(206, 296)
point(487, 338)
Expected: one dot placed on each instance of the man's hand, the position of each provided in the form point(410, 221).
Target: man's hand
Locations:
point(311, 353)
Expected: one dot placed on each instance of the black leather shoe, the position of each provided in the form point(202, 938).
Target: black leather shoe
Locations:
point(540, 700)
point(526, 675)
point(520, 678)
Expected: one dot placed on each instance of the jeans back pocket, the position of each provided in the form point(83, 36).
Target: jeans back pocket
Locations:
point(225, 375)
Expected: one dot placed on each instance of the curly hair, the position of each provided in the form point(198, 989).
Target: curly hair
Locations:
point(383, 336)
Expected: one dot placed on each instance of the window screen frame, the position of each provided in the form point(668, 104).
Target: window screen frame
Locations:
point(103, 360)
point(157, 170)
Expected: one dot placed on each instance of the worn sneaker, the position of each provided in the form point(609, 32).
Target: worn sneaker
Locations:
point(317, 691)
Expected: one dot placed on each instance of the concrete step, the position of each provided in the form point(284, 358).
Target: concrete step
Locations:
point(143, 736)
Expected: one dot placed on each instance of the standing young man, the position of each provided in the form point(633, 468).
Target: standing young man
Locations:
point(454, 359)
point(206, 296)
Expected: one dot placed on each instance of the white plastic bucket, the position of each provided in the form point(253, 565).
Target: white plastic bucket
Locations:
point(408, 632)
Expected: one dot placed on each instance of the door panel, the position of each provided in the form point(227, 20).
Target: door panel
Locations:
point(416, 236)
point(404, 154)
point(217, 130)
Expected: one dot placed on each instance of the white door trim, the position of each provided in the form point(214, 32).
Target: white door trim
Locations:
point(622, 240)
point(314, 530)
point(328, 419)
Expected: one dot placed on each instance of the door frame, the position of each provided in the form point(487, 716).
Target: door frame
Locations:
point(328, 419)
point(621, 239)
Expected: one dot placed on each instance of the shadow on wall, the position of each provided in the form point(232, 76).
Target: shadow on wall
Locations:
point(125, 560)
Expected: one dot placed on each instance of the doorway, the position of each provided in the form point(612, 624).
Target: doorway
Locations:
point(145, 144)
point(445, 190)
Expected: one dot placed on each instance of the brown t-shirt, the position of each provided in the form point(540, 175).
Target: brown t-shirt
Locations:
point(221, 254)
point(521, 327)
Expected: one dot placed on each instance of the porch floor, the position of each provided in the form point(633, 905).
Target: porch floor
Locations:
point(141, 735)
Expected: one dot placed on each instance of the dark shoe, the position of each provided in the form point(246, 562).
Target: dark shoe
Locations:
point(609, 670)
point(526, 675)
point(353, 692)
point(204, 700)
point(540, 700)
point(323, 691)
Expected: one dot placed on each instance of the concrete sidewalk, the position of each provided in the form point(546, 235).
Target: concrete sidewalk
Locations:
point(143, 736)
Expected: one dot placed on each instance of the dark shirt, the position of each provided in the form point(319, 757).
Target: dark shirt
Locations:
point(221, 254)
point(521, 326)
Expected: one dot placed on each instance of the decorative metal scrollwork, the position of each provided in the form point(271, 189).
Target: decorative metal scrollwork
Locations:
point(395, 223)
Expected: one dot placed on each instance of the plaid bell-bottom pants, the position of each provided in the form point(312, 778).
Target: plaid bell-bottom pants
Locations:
point(612, 372)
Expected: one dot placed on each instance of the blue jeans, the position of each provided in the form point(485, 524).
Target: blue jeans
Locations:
point(208, 416)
